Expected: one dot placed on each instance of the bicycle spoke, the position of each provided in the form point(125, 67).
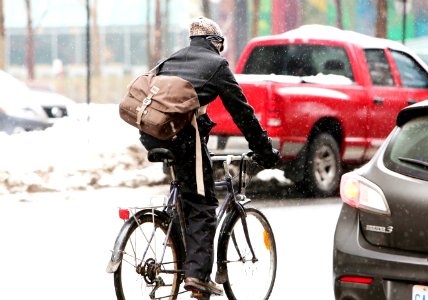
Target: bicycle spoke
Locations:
point(148, 272)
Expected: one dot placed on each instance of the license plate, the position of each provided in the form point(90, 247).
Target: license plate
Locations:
point(420, 292)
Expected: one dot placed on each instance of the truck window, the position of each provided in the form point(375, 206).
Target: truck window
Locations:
point(299, 60)
point(379, 69)
point(411, 73)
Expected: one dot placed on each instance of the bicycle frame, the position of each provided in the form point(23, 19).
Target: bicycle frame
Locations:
point(233, 203)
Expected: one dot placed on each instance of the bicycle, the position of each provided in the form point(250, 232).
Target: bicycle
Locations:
point(149, 251)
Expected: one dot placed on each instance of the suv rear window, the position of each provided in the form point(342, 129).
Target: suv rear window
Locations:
point(299, 60)
point(407, 152)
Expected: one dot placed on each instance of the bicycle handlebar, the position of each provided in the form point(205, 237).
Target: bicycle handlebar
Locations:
point(232, 157)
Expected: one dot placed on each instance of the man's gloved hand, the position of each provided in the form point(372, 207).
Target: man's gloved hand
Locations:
point(267, 158)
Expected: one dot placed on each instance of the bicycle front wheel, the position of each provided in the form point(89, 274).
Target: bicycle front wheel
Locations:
point(147, 271)
point(250, 276)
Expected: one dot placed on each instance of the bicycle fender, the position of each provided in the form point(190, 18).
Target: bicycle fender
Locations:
point(117, 255)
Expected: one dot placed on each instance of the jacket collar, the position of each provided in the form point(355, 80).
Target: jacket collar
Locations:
point(202, 42)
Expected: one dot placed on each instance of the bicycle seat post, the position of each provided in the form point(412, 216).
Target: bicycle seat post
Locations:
point(169, 163)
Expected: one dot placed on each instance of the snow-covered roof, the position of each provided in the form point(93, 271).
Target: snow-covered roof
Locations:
point(324, 32)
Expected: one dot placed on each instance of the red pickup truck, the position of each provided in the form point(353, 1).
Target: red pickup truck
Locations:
point(327, 97)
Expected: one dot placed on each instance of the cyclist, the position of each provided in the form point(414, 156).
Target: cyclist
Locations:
point(201, 64)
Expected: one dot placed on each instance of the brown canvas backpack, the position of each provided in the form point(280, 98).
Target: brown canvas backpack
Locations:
point(159, 105)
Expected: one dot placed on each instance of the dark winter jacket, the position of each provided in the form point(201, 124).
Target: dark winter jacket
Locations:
point(210, 75)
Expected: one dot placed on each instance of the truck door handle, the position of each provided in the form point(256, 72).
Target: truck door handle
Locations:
point(411, 101)
point(378, 100)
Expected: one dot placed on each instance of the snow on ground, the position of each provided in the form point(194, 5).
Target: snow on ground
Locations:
point(80, 153)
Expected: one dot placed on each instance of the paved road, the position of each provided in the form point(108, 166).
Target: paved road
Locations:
point(55, 246)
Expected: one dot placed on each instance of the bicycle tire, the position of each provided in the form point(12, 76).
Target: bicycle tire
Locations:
point(131, 284)
point(242, 274)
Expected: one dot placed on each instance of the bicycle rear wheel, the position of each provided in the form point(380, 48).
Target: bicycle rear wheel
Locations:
point(248, 277)
point(143, 273)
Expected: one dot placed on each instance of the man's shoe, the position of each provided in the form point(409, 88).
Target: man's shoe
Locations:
point(191, 283)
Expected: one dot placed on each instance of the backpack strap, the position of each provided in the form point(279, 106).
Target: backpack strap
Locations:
point(156, 68)
point(198, 162)
point(146, 102)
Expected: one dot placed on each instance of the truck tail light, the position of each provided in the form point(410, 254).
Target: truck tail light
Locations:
point(273, 116)
point(361, 193)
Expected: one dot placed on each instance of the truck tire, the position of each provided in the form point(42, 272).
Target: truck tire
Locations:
point(322, 167)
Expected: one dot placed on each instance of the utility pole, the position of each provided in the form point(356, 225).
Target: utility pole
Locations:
point(404, 20)
point(88, 53)
point(241, 31)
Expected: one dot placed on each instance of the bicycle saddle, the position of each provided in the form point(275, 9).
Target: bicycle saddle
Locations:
point(160, 155)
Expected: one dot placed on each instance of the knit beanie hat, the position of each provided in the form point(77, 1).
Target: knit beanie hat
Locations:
point(206, 27)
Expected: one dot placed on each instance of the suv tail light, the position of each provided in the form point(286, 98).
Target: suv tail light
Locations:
point(356, 279)
point(361, 193)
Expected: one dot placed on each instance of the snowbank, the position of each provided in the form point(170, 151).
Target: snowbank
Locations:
point(76, 153)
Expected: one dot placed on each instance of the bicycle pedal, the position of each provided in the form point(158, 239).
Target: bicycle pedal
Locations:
point(197, 294)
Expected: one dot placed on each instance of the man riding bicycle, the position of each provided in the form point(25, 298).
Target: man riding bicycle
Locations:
point(201, 64)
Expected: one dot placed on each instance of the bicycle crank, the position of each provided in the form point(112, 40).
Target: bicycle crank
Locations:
point(199, 295)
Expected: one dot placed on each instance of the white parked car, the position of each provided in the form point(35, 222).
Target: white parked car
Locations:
point(55, 105)
point(17, 112)
point(25, 109)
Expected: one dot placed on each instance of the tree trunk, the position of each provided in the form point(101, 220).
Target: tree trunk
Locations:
point(255, 18)
point(158, 31)
point(148, 36)
point(95, 40)
point(206, 8)
point(29, 53)
point(2, 38)
point(381, 21)
point(339, 15)
point(166, 29)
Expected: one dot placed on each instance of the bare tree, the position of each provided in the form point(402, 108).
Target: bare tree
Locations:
point(29, 53)
point(148, 35)
point(206, 8)
point(339, 14)
point(381, 21)
point(158, 31)
point(255, 18)
point(95, 40)
point(2, 38)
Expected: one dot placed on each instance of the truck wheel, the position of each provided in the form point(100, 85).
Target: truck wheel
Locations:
point(323, 167)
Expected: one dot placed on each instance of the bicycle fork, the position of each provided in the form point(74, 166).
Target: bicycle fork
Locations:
point(243, 217)
point(221, 274)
